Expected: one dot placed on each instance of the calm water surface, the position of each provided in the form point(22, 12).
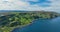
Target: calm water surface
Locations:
point(42, 25)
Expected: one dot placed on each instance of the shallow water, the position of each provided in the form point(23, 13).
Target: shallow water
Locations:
point(42, 25)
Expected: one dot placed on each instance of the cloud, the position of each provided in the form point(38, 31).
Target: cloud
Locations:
point(30, 5)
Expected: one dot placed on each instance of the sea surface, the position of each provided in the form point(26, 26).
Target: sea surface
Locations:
point(41, 25)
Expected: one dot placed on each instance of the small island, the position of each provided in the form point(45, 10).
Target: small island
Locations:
point(12, 20)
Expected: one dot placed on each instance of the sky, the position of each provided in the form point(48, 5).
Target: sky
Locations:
point(30, 5)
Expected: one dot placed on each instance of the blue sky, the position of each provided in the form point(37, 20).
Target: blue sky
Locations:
point(30, 5)
point(41, 3)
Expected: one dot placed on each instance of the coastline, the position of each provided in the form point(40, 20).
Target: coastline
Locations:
point(24, 25)
point(29, 16)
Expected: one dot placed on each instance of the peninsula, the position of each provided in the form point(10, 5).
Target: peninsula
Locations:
point(12, 20)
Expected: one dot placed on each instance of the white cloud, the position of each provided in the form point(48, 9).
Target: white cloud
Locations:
point(24, 5)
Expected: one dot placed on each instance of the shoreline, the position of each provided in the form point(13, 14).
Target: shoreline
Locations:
point(29, 17)
point(24, 25)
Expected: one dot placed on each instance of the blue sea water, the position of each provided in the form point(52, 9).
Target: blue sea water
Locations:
point(41, 25)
